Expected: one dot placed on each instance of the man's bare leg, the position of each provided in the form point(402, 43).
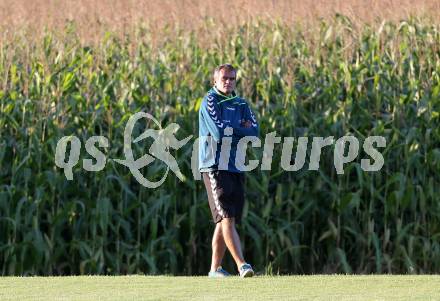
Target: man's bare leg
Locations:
point(232, 240)
point(218, 247)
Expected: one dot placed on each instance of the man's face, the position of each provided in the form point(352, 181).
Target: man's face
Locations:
point(225, 81)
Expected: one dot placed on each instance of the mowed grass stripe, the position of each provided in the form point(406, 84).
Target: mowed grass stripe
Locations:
point(333, 287)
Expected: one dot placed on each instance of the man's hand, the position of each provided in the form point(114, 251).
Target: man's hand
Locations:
point(246, 124)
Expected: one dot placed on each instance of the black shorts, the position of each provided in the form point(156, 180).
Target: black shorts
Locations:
point(225, 194)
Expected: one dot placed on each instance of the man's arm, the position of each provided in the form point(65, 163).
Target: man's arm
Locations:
point(249, 126)
point(210, 112)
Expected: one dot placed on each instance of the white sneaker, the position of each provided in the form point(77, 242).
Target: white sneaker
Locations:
point(246, 270)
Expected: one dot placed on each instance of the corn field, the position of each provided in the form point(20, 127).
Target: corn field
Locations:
point(333, 80)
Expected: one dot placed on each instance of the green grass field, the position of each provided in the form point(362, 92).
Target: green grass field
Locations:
point(202, 288)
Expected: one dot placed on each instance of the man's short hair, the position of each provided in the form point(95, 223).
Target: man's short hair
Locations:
point(227, 67)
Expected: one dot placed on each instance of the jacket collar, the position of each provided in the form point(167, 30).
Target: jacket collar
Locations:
point(220, 97)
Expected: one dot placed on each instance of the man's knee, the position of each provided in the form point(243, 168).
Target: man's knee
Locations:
point(228, 222)
point(218, 235)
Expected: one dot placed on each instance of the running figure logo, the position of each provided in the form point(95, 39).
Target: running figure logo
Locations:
point(164, 139)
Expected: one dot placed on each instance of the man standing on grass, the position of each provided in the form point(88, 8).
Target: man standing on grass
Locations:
point(224, 119)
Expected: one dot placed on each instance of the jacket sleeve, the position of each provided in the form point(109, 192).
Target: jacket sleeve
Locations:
point(248, 115)
point(210, 113)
